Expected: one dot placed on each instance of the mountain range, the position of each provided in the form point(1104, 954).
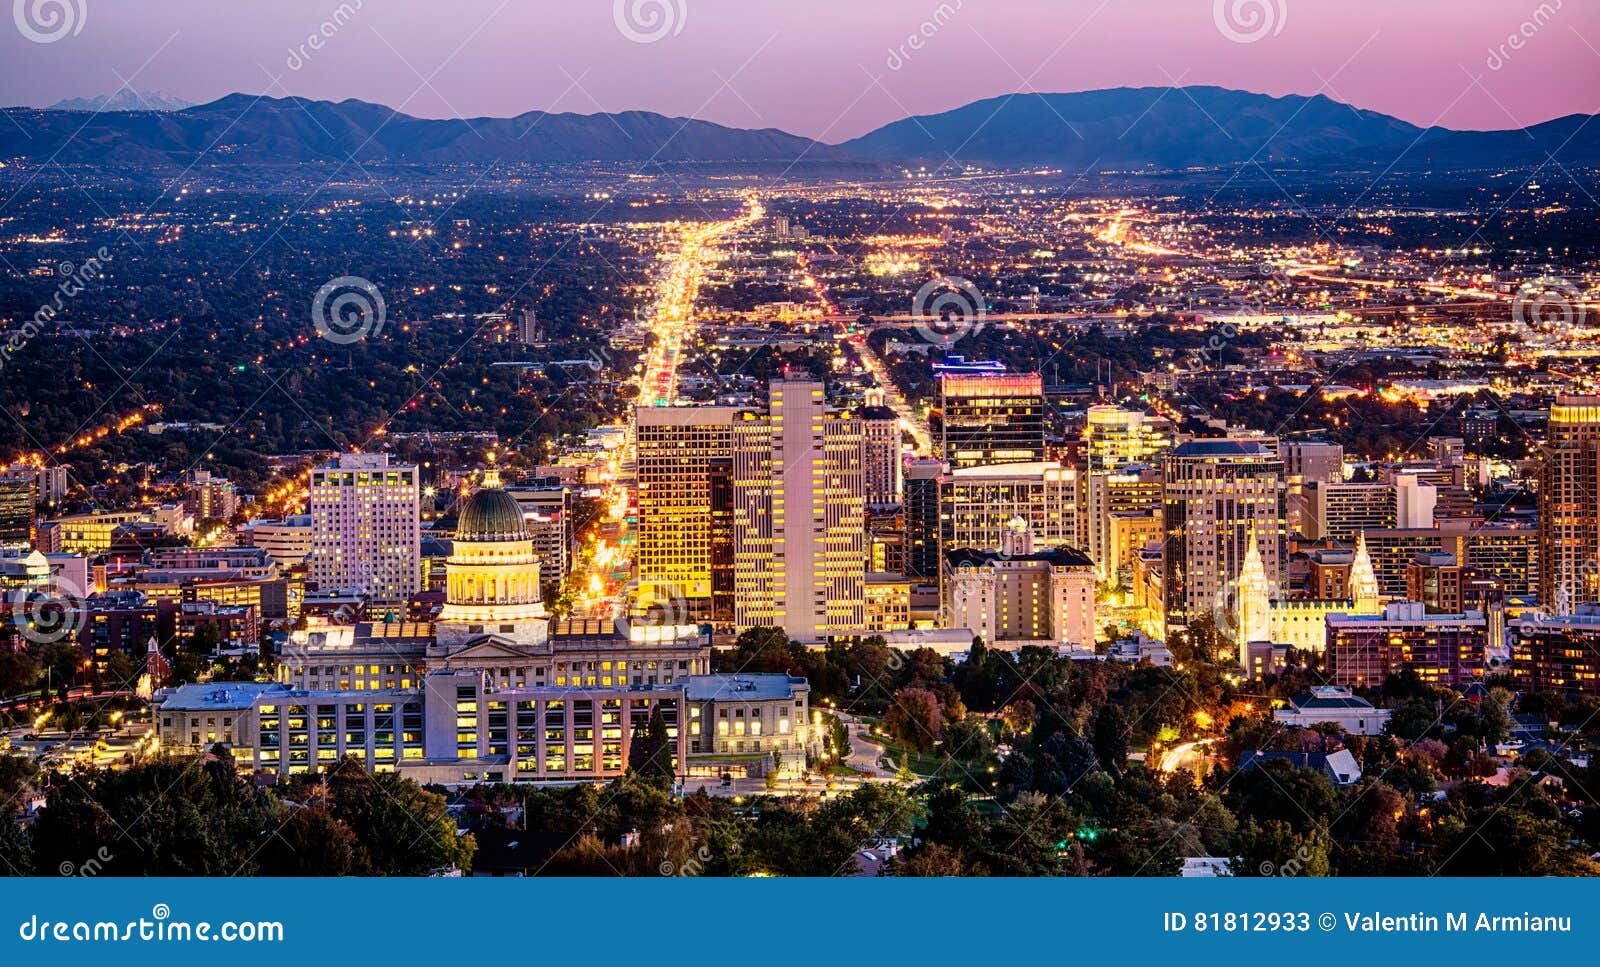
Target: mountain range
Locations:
point(1118, 129)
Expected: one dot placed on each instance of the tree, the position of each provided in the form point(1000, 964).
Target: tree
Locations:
point(914, 719)
point(403, 829)
point(1277, 848)
point(650, 753)
point(311, 841)
point(1111, 739)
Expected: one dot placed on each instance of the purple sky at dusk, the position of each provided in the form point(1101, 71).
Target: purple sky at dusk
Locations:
point(822, 68)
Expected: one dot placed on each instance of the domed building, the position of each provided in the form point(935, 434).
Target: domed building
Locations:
point(492, 575)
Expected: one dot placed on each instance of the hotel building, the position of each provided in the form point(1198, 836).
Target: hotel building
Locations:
point(366, 527)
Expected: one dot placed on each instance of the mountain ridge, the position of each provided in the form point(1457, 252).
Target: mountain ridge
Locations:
point(1125, 128)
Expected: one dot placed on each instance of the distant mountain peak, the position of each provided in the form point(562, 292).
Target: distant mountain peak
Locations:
point(123, 100)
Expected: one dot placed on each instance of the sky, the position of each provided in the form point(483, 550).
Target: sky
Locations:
point(828, 69)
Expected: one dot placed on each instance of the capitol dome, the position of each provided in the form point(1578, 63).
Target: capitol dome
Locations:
point(492, 515)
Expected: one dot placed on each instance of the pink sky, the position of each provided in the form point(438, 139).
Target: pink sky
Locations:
point(826, 68)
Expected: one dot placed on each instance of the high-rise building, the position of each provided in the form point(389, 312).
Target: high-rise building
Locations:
point(685, 456)
point(799, 515)
point(1305, 463)
point(978, 505)
point(1339, 511)
point(880, 429)
point(1569, 502)
point(1219, 496)
point(988, 419)
point(210, 498)
point(366, 527)
point(19, 496)
point(1121, 449)
point(922, 486)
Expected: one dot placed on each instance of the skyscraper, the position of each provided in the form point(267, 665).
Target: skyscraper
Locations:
point(1569, 502)
point(799, 515)
point(922, 518)
point(991, 419)
point(683, 453)
point(366, 527)
point(881, 432)
point(1118, 444)
point(18, 496)
point(1220, 496)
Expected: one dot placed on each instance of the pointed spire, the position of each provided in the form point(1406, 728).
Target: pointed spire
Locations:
point(1364, 589)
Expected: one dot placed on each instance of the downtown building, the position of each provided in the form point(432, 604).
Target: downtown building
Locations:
point(1557, 653)
point(1449, 650)
point(494, 691)
point(991, 418)
point(1220, 498)
point(799, 516)
point(979, 505)
point(1569, 502)
point(1123, 449)
point(1018, 595)
point(366, 528)
point(684, 547)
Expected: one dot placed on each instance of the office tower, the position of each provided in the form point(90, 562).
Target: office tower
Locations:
point(1219, 495)
point(366, 527)
point(1414, 502)
point(210, 498)
point(1121, 446)
point(991, 419)
point(1117, 499)
point(978, 505)
point(1339, 511)
point(1305, 464)
point(529, 333)
point(287, 541)
point(1569, 502)
point(922, 518)
point(18, 497)
point(799, 516)
point(880, 428)
point(683, 452)
point(548, 510)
